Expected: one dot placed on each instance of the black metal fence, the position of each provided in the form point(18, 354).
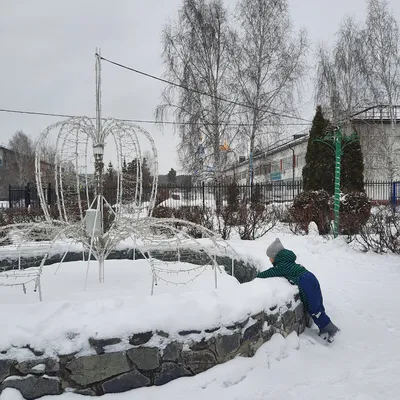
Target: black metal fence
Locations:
point(206, 195)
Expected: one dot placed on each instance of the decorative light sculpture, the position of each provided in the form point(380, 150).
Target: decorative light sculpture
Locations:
point(82, 212)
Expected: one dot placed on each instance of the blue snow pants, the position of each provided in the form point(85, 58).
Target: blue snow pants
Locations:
point(310, 285)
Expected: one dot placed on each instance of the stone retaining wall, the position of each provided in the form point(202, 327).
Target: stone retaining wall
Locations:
point(141, 363)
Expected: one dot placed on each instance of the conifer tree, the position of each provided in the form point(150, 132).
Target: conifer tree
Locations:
point(172, 177)
point(110, 177)
point(319, 171)
point(352, 168)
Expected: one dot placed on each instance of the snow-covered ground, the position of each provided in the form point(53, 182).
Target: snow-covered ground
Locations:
point(361, 296)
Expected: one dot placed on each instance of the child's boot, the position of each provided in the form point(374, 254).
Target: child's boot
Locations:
point(329, 332)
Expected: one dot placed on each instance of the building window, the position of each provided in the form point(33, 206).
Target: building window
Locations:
point(287, 163)
point(275, 166)
point(1, 162)
point(301, 160)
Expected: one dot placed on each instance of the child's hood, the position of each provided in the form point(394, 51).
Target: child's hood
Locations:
point(285, 256)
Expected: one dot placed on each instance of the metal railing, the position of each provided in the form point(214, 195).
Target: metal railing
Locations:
point(207, 195)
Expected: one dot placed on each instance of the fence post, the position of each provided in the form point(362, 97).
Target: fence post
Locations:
point(10, 202)
point(27, 195)
point(204, 202)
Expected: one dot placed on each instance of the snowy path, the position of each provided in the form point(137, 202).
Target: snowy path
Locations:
point(361, 294)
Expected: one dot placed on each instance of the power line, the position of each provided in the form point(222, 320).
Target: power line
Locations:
point(140, 121)
point(276, 112)
point(36, 113)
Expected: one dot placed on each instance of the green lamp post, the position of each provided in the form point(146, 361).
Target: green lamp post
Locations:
point(338, 142)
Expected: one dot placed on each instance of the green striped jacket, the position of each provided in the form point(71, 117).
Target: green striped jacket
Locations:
point(286, 267)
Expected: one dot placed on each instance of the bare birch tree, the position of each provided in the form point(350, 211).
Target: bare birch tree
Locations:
point(23, 151)
point(269, 60)
point(341, 86)
point(381, 67)
point(196, 57)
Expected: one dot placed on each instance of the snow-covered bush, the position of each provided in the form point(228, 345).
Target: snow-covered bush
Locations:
point(382, 231)
point(312, 206)
point(355, 210)
point(195, 214)
point(233, 195)
point(21, 215)
point(255, 220)
point(317, 206)
point(163, 212)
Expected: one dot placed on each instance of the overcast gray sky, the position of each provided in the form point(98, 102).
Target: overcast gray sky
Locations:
point(47, 58)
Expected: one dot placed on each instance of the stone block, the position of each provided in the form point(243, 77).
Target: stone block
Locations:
point(308, 320)
point(252, 332)
point(295, 328)
point(85, 392)
point(238, 325)
point(198, 361)
point(145, 358)
point(87, 370)
point(99, 344)
point(5, 369)
point(37, 353)
point(288, 318)
point(139, 339)
point(302, 327)
point(272, 319)
point(38, 367)
point(243, 323)
point(172, 352)
point(281, 332)
point(190, 332)
point(170, 371)
point(299, 311)
point(259, 317)
point(226, 346)
point(125, 382)
point(255, 345)
point(243, 350)
point(267, 335)
point(203, 344)
point(33, 387)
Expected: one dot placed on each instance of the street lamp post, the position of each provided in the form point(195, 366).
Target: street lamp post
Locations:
point(335, 142)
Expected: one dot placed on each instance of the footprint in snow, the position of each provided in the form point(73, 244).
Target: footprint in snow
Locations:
point(227, 384)
point(390, 326)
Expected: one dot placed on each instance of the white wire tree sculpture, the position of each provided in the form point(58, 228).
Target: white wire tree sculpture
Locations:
point(84, 214)
point(17, 238)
